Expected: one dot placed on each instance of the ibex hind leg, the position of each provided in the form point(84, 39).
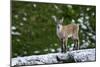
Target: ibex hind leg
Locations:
point(78, 47)
point(76, 44)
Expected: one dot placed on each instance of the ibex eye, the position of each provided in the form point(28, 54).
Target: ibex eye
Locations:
point(58, 27)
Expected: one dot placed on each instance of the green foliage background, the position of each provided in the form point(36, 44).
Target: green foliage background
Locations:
point(33, 30)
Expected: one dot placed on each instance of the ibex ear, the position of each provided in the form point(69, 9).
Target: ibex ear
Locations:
point(61, 21)
point(55, 19)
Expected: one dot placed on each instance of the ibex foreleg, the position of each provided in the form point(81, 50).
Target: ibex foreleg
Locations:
point(63, 45)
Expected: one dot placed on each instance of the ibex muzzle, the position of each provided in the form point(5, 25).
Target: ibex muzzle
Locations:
point(66, 31)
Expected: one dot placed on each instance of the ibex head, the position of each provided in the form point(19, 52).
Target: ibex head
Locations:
point(58, 22)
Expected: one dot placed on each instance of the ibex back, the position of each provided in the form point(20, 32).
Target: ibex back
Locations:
point(66, 31)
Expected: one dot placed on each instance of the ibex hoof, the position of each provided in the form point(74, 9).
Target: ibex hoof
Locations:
point(63, 51)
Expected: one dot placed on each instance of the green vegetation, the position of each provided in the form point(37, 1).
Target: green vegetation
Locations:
point(33, 30)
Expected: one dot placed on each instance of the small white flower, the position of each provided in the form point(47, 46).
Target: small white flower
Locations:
point(36, 51)
point(21, 24)
point(69, 6)
point(88, 9)
point(25, 52)
point(24, 19)
point(34, 5)
point(16, 16)
point(52, 50)
point(13, 28)
point(45, 49)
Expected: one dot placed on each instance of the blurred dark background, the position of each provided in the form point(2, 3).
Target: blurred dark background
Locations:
point(33, 30)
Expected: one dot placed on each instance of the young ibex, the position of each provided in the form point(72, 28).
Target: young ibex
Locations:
point(66, 31)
